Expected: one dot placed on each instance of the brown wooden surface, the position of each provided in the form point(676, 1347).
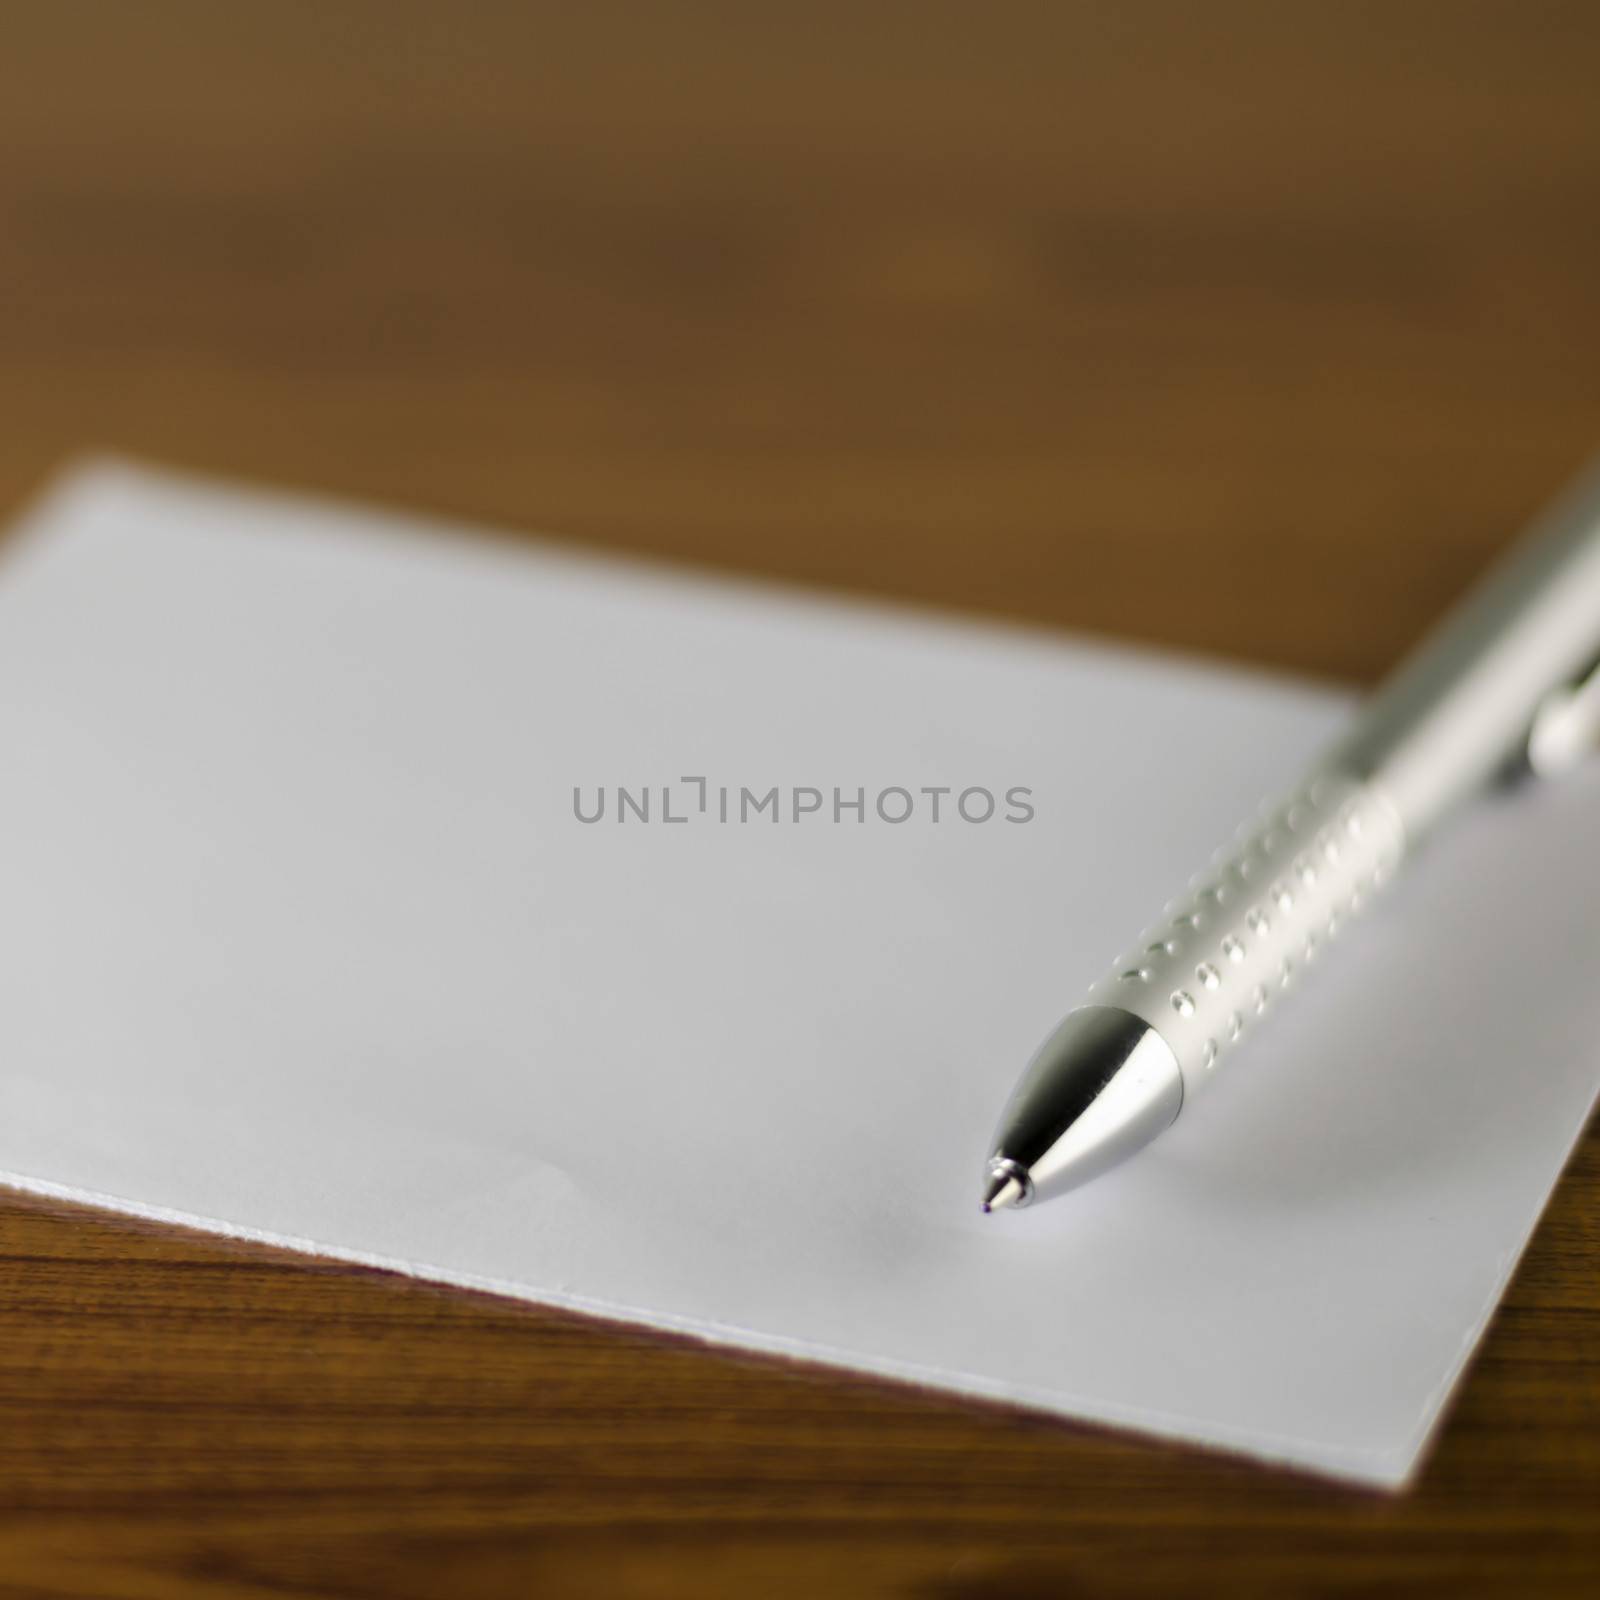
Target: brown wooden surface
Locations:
point(1246, 328)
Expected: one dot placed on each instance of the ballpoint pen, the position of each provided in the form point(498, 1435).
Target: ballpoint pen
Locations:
point(1511, 677)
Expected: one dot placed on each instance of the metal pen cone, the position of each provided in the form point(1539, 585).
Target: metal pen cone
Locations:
point(1103, 1085)
point(1003, 1192)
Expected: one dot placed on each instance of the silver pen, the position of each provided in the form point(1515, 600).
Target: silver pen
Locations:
point(1512, 677)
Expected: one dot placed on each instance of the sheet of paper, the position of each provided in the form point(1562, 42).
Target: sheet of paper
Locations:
point(304, 941)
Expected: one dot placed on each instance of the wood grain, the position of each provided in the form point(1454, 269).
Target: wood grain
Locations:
point(1241, 328)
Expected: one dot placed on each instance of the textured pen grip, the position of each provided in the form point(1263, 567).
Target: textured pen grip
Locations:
point(1222, 954)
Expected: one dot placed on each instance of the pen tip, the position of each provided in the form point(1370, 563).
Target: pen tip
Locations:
point(1003, 1192)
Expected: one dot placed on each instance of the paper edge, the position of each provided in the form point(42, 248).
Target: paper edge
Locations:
point(93, 473)
point(1386, 1468)
point(1437, 1407)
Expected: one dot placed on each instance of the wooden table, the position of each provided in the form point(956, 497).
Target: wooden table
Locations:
point(1247, 329)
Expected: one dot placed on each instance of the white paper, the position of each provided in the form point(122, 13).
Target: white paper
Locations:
point(302, 941)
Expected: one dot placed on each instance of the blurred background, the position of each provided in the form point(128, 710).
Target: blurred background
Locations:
point(1249, 327)
point(1124, 316)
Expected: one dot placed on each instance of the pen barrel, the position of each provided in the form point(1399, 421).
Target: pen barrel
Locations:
point(1465, 700)
point(1221, 955)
